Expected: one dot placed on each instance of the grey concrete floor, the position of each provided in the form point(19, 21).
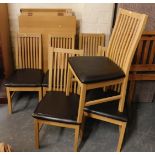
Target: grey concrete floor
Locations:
point(17, 130)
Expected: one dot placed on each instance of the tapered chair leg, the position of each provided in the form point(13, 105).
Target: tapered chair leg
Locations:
point(76, 139)
point(123, 94)
point(40, 94)
point(131, 91)
point(82, 126)
point(69, 75)
point(44, 91)
point(121, 136)
point(9, 100)
point(36, 133)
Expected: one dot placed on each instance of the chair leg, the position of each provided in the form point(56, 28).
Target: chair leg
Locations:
point(9, 100)
point(123, 94)
point(36, 133)
point(40, 126)
point(121, 136)
point(131, 91)
point(40, 94)
point(69, 75)
point(76, 138)
point(44, 91)
point(82, 127)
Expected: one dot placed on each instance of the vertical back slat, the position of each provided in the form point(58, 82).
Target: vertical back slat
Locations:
point(31, 49)
point(22, 53)
point(40, 52)
point(33, 52)
point(58, 72)
point(62, 72)
point(64, 42)
point(139, 51)
point(36, 50)
point(146, 49)
point(54, 75)
point(67, 46)
point(28, 52)
point(95, 44)
point(19, 53)
point(152, 53)
point(25, 52)
point(50, 59)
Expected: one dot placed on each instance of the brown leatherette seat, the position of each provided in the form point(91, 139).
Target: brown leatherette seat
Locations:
point(56, 106)
point(25, 78)
point(91, 69)
point(106, 109)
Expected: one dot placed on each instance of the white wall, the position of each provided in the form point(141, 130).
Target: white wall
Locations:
point(93, 18)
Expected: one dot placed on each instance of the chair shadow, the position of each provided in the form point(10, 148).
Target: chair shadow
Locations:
point(132, 122)
point(17, 101)
point(61, 132)
point(90, 125)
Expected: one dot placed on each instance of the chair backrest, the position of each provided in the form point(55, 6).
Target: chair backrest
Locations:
point(125, 37)
point(66, 41)
point(28, 51)
point(143, 64)
point(89, 42)
point(145, 53)
point(58, 68)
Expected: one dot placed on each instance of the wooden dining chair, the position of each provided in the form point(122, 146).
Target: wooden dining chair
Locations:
point(107, 71)
point(89, 42)
point(56, 108)
point(66, 41)
point(28, 74)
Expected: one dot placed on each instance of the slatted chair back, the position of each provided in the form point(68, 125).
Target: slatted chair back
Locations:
point(144, 59)
point(125, 37)
point(58, 68)
point(66, 41)
point(28, 51)
point(90, 42)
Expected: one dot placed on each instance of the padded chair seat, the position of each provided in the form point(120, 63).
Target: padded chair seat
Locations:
point(108, 109)
point(25, 78)
point(92, 69)
point(56, 106)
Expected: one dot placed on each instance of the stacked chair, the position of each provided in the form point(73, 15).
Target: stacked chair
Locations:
point(110, 71)
point(89, 82)
point(28, 74)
